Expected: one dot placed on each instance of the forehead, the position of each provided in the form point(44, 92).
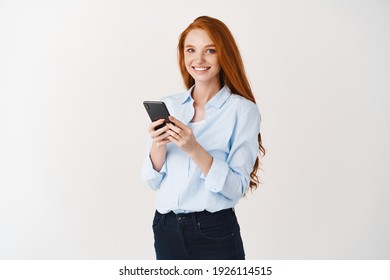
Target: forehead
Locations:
point(198, 37)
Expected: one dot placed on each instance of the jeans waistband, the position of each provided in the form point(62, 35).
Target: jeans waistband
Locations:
point(201, 214)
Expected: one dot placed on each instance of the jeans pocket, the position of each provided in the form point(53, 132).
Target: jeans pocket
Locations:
point(221, 229)
point(157, 220)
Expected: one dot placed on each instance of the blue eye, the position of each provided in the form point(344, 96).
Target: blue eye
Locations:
point(190, 50)
point(211, 51)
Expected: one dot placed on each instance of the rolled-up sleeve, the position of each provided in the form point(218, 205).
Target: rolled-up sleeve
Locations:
point(150, 175)
point(231, 178)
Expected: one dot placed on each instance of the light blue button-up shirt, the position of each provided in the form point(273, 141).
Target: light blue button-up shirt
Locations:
point(229, 134)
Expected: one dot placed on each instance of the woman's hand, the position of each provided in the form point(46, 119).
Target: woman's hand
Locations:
point(182, 136)
point(159, 145)
point(159, 136)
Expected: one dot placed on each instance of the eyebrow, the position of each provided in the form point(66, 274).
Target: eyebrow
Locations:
point(207, 46)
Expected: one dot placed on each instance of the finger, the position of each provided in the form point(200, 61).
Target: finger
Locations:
point(162, 143)
point(161, 138)
point(177, 122)
point(176, 129)
point(173, 134)
point(179, 127)
point(154, 124)
point(161, 130)
point(174, 140)
point(154, 133)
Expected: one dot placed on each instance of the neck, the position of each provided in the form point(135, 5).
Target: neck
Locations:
point(203, 92)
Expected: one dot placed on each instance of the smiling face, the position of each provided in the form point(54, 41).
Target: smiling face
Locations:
point(200, 57)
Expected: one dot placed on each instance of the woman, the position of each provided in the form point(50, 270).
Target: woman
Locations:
point(206, 159)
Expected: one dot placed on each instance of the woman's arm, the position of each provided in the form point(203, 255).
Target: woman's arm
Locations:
point(183, 137)
point(159, 145)
point(229, 177)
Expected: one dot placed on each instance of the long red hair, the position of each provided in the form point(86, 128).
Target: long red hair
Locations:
point(232, 72)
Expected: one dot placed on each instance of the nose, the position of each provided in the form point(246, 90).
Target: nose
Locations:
point(199, 57)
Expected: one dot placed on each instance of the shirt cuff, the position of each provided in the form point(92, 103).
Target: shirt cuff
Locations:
point(150, 175)
point(216, 177)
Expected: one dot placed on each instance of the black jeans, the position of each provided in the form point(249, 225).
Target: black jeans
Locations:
point(198, 236)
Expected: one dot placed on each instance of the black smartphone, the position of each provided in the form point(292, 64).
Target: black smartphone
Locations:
point(157, 110)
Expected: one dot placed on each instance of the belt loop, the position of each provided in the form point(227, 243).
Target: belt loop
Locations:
point(194, 221)
point(163, 219)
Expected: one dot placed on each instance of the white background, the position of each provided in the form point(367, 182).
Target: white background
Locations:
point(73, 75)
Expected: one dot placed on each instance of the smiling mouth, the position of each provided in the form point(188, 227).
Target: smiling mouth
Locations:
point(201, 68)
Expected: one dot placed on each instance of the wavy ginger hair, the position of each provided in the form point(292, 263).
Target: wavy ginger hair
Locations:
point(232, 72)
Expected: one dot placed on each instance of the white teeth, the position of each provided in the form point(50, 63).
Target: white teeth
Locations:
point(200, 68)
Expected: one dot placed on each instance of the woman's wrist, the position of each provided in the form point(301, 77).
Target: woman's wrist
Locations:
point(202, 158)
point(195, 150)
point(157, 156)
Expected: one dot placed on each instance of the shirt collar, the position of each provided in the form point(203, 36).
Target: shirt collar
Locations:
point(217, 101)
point(187, 96)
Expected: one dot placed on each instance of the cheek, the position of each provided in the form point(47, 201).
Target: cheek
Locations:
point(186, 62)
point(214, 61)
point(186, 59)
point(188, 67)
